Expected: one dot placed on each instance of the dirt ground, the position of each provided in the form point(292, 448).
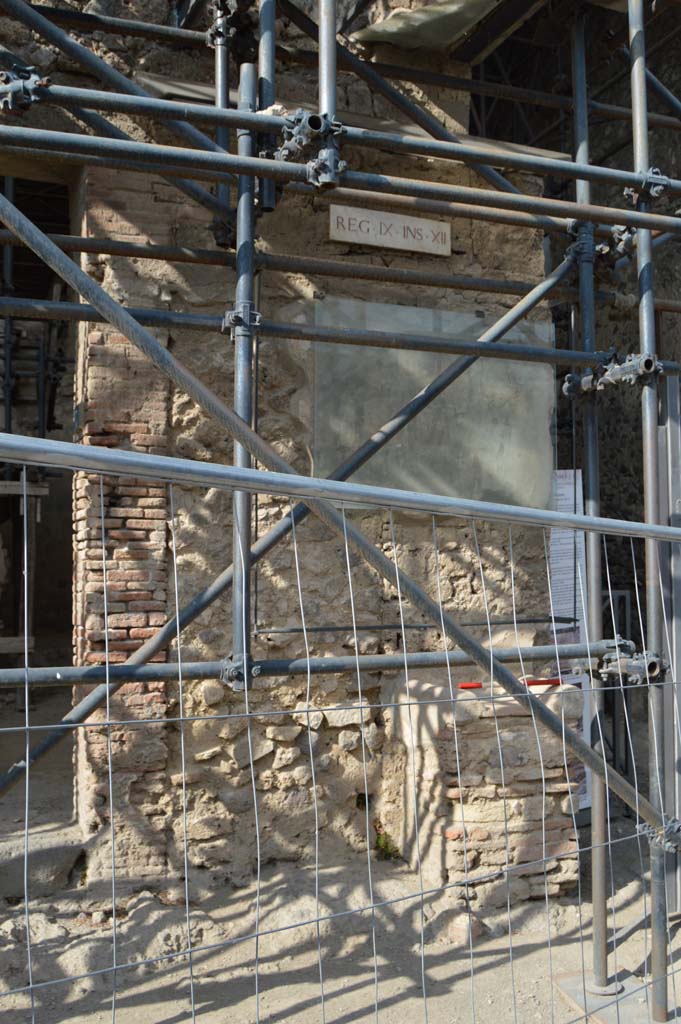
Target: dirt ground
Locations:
point(471, 975)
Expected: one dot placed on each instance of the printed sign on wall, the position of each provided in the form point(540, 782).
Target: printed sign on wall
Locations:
point(390, 230)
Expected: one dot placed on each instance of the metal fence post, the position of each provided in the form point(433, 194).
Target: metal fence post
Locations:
point(243, 322)
point(587, 318)
point(649, 409)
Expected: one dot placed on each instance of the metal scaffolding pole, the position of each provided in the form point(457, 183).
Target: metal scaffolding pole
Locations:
point(326, 268)
point(587, 315)
point(33, 20)
point(394, 142)
point(470, 210)
point(8, 323)
point(121, 26)
point(318, 493)
point(35, 309)
point(412, 110)
point(329, 151)
point(243, 320)
point(281, 479)
point(267, 48)
point(298, 265)
point(213, 165)
point(218, 35)
point(118, 675)
point(651, 498)
point(183, 37)
point(200, 195)
point(265, 544)
point(661, 90)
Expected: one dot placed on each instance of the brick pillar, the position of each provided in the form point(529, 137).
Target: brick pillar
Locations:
point(124, 404)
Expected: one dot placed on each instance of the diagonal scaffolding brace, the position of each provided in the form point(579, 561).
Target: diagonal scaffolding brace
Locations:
point(267, 456)
point(265, 544)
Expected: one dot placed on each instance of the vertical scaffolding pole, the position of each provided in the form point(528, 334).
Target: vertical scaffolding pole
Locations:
point(651, 493)
point(328, 154)
point(243, 320)
point(8, 324)
point(592, 505)
point(267, 87)
point(220, 38)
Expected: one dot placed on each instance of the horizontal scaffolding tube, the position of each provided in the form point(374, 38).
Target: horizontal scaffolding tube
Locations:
point(151, 106)
point(210, 593)
point(313, 266)
point(74, 675)
point(45, 309)
point(240, 431)
point(442, 208)
point(93, 459)
point(100, 126)
point(353, 197)
point(479, 87)
point(428, 343)
point(32, 19)
point(121, 26)
point(188, 38)
point(393, 142)
point(177, 160)
point(434, 659)
point(294, 265)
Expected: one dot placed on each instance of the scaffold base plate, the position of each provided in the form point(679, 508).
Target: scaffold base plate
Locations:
point(629, 1006)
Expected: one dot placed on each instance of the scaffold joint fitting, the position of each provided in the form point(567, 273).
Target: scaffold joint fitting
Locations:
point(634, 369)
point(237, 670)
point(19, 88)
point(305, 131)
point(639, 668)
point(653, 185)
point(244, 316)
point(666, 836)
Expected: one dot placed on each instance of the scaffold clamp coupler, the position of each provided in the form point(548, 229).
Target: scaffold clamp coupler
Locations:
point(639, 667)
point(304, 131)
point(654, 184)
point(223, 227)
point(19, 88)
point(220, 30)
point(237, 670)
point(324, 170)
point(583, 245)
point(622, 240)
point(244, 315)
point(633, 369)
point(666, 836)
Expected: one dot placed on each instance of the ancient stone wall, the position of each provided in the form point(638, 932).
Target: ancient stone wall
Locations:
point(497, 787)
point(319, 769)
point(287, 745)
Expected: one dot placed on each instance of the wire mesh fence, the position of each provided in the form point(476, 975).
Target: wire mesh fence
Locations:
point(290, 842)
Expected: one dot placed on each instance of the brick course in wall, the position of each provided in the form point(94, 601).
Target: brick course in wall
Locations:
point(124, 404)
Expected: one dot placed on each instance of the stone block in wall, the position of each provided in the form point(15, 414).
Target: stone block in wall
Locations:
point(124, 402)
point(486, 801)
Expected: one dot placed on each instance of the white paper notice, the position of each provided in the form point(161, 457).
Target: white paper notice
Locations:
point(567, 563)
point(568, 557)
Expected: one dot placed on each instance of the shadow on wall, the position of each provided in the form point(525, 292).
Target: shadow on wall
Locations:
point(488, 805)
